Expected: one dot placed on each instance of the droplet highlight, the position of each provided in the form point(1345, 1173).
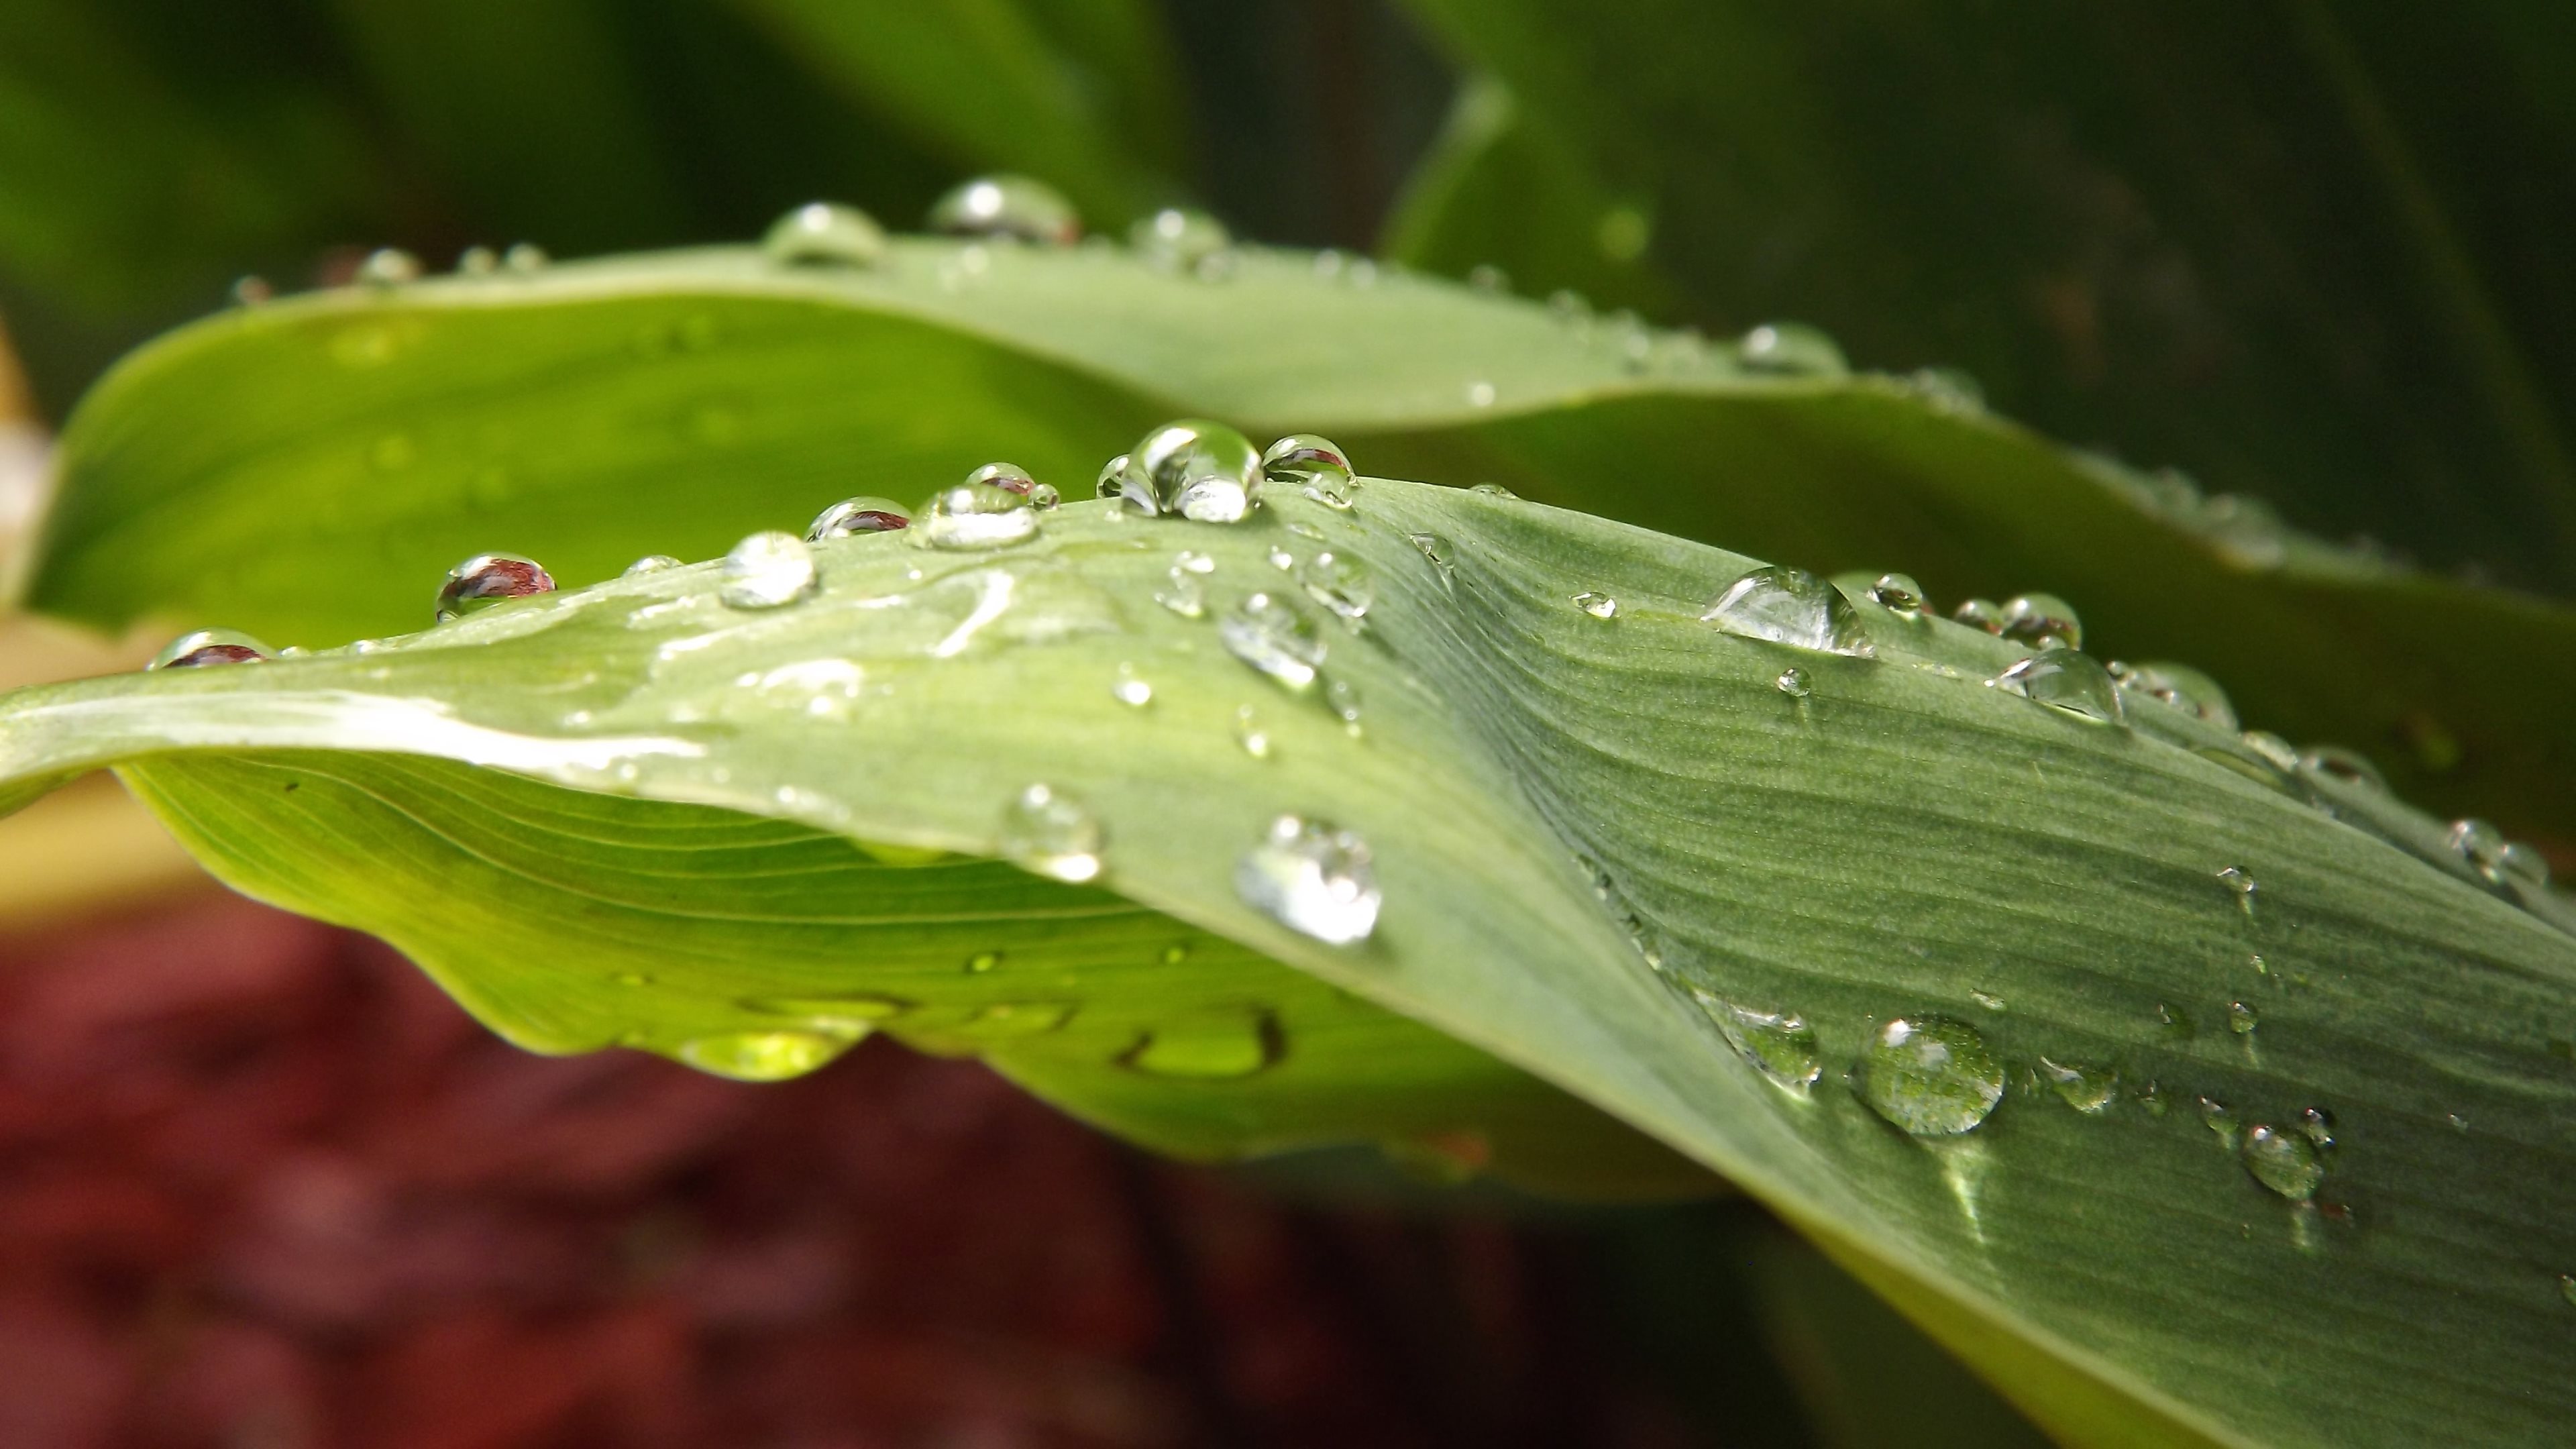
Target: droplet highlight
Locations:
point(825, 234)
point(1013, 208)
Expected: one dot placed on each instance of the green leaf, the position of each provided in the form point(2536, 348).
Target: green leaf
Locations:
point(1583, 827)
point(235, 472)
point(2280, 246)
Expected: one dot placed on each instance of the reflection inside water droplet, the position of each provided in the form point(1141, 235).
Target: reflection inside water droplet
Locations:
point(856, 516)
point(487, 579)
point(973, 516)
point(1316, 466)
point(204, 647)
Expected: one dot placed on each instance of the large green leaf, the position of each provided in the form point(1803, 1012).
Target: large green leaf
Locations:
point(2306, 250)
point(1583, 826)
point(308, 469)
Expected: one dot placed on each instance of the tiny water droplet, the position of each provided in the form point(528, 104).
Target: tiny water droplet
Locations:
point(202, 647)
point(2176, 1020)
point(2181, 687)
point(388, 267)
point(1014, 208)
point(2086, 1089)
point(2243, 885)
point(1793, 683)
point(1983, 614)
point(1315, 466)
point(1480, 394)
point(1184, 595)
point(1343, 698)
point(1281, 559)
point(1486, 277)
point(1012, 478)
point(762, 1056)
point(853, 516)
point(2152, 1096)
point(1015, 1019)
point(1779, 1044)
point(1598, 605)
point(487, 579)
point(2567, 1287)
point(2064, 680)
point(825, 234)
point(2043, 621)
point(2317, 1125)
point(525, 258)
point(1175, 239)
point(1270, 633)
point(1897, 592)
point(1131, 689)
point(1495, 490)
point(1201, 470)
point(2338, 763)
point(1340, 584)
point(477, 261)
point(2241, 1018)
point(2285, 1162)
point(1250, 733)
point(1930, 1075)
point(1052, 834)
point(1190, 560)
point(974, 516)
point(1988, 1000)
point(253, 291)
point(1793, 607)
point(2480, 844)
point(1433, 547)
point(1312, 877)
point(1792, 349)
point(767, 570)
point(2273, 750)
point(2220, 1121)
point(1220, 1046)
point(651, 563)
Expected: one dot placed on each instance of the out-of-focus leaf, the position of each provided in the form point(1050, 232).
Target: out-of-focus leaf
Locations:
point(2307, 251)
point(309, 470)
point(1594, 836)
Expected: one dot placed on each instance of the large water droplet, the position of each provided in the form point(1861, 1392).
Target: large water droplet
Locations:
point(1217, 1046)
point(202, 647)
point(1179, 240)
point(762, 1056)
point(1312, 877)
point(1200, 470)
point(1051, 833)
point(1340, 584)
point(1013, 207)
point(974, 516)
point(2181, 687)
point(1793, 607)
point(1779, 1044)
point(2285, 1162)
point(858, 515)
point(1897, 592)
point(1930, 1075)
point(2066, 680)
point(1792, 349)
point(1273, 635)
point(2086, 1089)
point(2043, 621)
point(487, 579)
point(826, 233)
point(767, 570)
point(1316, 467)
point(1012, 478)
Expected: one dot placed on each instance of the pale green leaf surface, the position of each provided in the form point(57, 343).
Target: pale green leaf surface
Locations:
point(235, 472)
point(1905, 839)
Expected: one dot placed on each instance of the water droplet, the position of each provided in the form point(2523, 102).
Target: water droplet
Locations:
point(1175, 955)
point(1219, 1046)
point(1988, 1000)
point(1273, 635)
point(1009, 207)
point(1480, 394)
point(2337, 763)
point(826, 234)
point(1790, 606)
point(2285, 1162)
point(855, 516)
point(1793, 683)
point(1131, 689)
point(1983, 614)
point(2220, 1121)
point(2567, 1287)
point(1316, 466)
point(1495, 490)
point(2152, 1096)
point(2043, 621)
point(1930, 1075)
point(210, 646)
point(651, 563)
point(2273, 750)
point(1948, 389)
point(2066, 680)
point(477, 261)
point(388, 267)
point(1313, 878)
point(2317, 1125)
point(1015, 1019)
point(2520, 865)
point(487, 579)
point(1049, 832)
point(1897, 592)
point(2241, 1018)
point(1598, 605)
point(983, 962)
point(1250, 733)
point(1281, 559)
point(974, 516)
point(767, 570)
point(2086, 1089)
point(1433, 547)
point(2179, 686)
point(2480, 844)
point(1200, 470)
point(1190, 560)
point(253, 291)
point(1792, 349)
point(1178, 240)
point(762, 1056)
point(1486, 277)
point(1343, 698)
point(1340, 584)
point(525, 258)
point(1012, 478)
point(2176, 1020)
point(1184, 595)
point(1779, 1044)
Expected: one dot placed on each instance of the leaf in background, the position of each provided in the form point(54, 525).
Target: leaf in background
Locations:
point(2305, 251)
point(1578, 822)
point(1076, 93)
point(235, 472)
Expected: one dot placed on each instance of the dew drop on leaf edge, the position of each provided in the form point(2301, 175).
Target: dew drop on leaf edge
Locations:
point(852, 516)
point(1016, 208)
point(767, 570)
point(202, 647)
point(825, 233)
point(487, 579)
point(974, 516)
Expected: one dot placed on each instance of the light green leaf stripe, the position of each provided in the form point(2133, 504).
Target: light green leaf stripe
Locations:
point(1581, 825)
point(307, 470)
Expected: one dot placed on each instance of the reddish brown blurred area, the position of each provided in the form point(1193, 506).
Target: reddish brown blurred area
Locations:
point(262, 1186)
